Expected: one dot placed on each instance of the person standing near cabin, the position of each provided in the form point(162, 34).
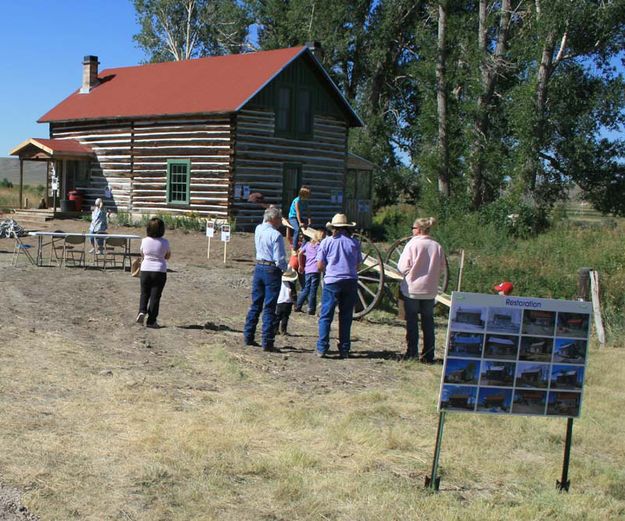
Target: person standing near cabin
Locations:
point(339, 256)
point(99, 224)
point(270, 264)
point(307, 261)
point(421, 264)
point(298, 212)
point(155, 253)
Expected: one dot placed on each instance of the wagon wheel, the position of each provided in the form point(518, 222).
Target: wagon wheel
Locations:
point(370, 277)
point(395, 251)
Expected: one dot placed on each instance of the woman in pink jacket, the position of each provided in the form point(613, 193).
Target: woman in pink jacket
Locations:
point(421, 263)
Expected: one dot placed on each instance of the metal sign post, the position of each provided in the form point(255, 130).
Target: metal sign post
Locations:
point(433, 480)
point(564, 483)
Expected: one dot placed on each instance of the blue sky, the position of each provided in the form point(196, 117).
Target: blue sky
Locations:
point(42, 44)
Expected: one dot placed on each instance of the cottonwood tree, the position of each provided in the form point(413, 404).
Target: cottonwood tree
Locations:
point(184, 29)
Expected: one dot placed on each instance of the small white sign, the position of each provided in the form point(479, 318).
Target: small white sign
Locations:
point(225, 233)
point(55, 184)
point(210, 228)
point(246, 192)
point(108, 193)
point(238, 191)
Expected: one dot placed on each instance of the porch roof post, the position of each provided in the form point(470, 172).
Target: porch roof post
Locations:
point(21, 205)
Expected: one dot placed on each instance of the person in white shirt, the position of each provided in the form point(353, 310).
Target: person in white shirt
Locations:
point(286, 298)
point(155, 252)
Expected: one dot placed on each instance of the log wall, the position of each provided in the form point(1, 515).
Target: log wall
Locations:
point(132, 161)
point(260, 157)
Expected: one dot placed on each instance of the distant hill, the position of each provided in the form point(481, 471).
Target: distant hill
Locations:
point(34, 171)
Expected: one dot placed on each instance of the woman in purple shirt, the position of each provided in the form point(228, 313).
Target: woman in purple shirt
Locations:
point(339, 256)
point(155, 252)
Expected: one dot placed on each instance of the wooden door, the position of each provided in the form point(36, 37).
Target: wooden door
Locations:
point(291, 183)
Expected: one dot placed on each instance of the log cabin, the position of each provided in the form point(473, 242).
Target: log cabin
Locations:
point(195, 137)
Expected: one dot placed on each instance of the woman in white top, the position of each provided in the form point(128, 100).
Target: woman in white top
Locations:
point(155, 252)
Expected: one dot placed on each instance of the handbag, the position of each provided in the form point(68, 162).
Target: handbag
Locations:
point(135, 267)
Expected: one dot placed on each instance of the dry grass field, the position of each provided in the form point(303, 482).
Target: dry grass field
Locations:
point(101, 419)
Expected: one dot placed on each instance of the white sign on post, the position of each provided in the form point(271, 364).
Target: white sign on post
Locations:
point(515, 355)
point(246, 192)
point(225, 237)
point(225, 233)
point(238, 191)
point(210, 229)
point(55, 184)
point(210, 233)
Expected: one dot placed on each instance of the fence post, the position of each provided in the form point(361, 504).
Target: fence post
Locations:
point(583, 284)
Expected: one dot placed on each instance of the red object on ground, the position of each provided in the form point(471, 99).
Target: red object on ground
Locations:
point(504, 288)
point(76, 196)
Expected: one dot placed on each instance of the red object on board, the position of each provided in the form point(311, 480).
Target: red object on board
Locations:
point(504, 288)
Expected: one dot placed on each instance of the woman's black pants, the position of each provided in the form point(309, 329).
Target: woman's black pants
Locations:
point(152, 284)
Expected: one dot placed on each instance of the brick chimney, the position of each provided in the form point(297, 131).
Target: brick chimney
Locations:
point(316, 49)
point(89, 74)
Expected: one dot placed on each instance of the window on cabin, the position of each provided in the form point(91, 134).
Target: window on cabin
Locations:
point(283, 113)
point(350, 184)
point(178, 181)
point(304, 113)
point(364, 184)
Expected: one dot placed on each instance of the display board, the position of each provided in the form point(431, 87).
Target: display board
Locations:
point(515, 355)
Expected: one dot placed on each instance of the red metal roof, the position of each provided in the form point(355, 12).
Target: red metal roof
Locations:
point(54, 147)
point(219, 84)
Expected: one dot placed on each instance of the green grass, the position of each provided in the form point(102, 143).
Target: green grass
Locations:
point(139, 445)
point(9, 196)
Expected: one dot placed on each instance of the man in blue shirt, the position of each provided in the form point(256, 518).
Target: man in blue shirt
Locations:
point(339, 256)
point(270, 263)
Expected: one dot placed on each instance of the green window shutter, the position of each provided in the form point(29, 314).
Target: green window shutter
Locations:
point(178, 181)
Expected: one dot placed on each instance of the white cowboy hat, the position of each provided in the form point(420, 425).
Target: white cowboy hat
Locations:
point(289, 275)
point(340, 221)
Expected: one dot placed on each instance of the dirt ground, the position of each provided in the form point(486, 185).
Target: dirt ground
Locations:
point(204, 299)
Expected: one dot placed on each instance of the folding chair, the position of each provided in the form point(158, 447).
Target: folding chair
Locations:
point(56, 248)
point(115, 247)
point(71, 248)
point(21, 248)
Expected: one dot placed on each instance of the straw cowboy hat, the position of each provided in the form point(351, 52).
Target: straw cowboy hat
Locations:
point(289, 275)
point(340, 221)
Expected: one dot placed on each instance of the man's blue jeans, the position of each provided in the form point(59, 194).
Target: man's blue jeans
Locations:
point(311, 283)
point(293, 222)
point(425, 308)
point(344, 293)
point(265, 290)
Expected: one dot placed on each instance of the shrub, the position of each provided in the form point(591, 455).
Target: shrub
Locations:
point(5, 183)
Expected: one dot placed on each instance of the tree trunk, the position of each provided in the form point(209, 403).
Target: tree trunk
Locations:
point(491, 67)
point(533, 163)
point(441, 100)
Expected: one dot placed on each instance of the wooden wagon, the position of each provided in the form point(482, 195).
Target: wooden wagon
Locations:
point(376, 272)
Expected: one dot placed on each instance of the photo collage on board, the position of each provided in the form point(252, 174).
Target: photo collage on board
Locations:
point(509, 360)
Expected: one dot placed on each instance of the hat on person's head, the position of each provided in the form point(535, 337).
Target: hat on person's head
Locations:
point(340, 221)
point(289, 275)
